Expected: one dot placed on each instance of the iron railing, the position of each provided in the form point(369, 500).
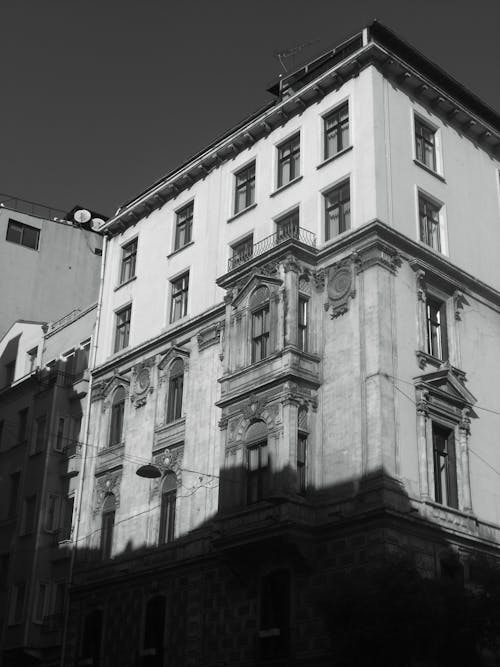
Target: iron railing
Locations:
point(285, 232)
point(31, 208)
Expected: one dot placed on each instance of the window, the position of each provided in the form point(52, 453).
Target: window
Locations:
point(129, 256)
point(301, 461)
point(107, 526)
point(60, 439)
point(260, 334)
point(175, 390)
point(180, 288)
point(437, 339)
point(167, 513)
point(22, 425)
point(183, 226)
point(257, 471)
point(289, 160)
point(52, 511)
point(41, 602)
point(4, 570)
point(445, 467)
point(69, 504)
point(287, 227)
point(10, 372)
point(244, 195)
point(242, 251)
point(16, 606)
point(32, 357)
point(18, 232)
point(303, 323)
point(15, 479)
point(429, 219)
point(336, 131)
point(122, 331)
point(274, 633)
point(154, 628)
point(337, 210)
point(40, 428)
point(117, 414)
point(425, 144)
point(81, 360)
point(90, 648)
point(29, 515)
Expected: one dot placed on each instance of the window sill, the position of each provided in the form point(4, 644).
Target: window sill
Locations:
point(334, 157)
point(284, 187)
point(429, 247)
point(429, 170)
point(240, 213)
point(127, 282)
point(178, 250)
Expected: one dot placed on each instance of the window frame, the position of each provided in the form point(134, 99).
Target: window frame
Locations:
point(324, 118)
point(238, 258)
point(29, 528)
point(261, 473)
point(122, 328)
point(108, 517)
point(183, 293)
point(420, 153)
point(301, 461)
point(441, 325)
point(52, 520)
point(186, 224)
point(248, 186)
point(128, 262)
point(117, 417)
point(23, 226)
point(45, 603)
point(303, 323)
point(16, 611)
point(175, 396)
point(287, 225)
point(260, 341)
point(168, 502)
point(293, 159)
point(341, 204)
point(445, 463)
point(425, 234)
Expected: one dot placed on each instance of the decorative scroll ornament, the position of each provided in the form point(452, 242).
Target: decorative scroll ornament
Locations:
point(459, 301)
point(105, 485)
point(253, 407)
point(141, 386)
point(169, 460)
point(341, 286)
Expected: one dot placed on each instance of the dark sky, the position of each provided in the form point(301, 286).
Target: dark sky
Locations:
point(102, 97)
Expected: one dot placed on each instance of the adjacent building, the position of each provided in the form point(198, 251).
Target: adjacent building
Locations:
point(297, 351)
point(42, 405)
point(49, 264)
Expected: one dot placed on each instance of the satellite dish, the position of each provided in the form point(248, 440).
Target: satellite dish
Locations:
point(82, 215)
point(95, 223)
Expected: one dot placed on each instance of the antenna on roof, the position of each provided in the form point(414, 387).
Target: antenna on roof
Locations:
point(292, 51)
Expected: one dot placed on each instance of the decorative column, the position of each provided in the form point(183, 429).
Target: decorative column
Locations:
point(291, 273)
point(421, 314)
point(290, 405)
point(463, 448)
point(422, 416)
point(226, 355)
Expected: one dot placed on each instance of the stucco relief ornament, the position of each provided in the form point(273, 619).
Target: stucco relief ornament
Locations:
point(170, 460)
point(106, 485)
point(340, 287)
point(253, 407)
point(142, 384)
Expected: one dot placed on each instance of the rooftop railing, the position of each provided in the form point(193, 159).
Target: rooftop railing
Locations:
point(284, 233)
point(31, 208)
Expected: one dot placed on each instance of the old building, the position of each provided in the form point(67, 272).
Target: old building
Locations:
point(49, 264)
point(42, 404)
point(295, 370)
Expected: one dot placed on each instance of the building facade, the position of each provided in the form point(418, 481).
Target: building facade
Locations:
point(48, 264)
point(41, 415)
point(295, 367)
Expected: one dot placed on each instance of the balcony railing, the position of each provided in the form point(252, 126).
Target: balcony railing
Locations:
point(285, 232)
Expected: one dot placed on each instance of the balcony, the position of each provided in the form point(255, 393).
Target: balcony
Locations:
point(285, 233)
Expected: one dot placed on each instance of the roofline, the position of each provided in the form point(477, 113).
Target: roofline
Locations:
point(379, 47)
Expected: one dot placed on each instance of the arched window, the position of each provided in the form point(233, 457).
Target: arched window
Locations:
point(175, 389)
point(167, 512)
point(90, 651)
point(117, 412)
point(257, 462)
point(260, 325)
point(108, 525)
point(154, 629)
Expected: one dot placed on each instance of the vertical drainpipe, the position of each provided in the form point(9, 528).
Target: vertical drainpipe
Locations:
point(92, 359)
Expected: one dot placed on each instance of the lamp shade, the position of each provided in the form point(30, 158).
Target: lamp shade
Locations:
point(149, 471)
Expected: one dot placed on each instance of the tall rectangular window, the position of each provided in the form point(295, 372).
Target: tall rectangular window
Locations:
point(183, 226)
point(445, 466)
point(81, 360)
point(301, 461)
point(425, 144)
point(31, 359)
point(38, 441)
point(336, 131)
point(122, 328)
point(287, 227)
point(179, 303)
point(257, 472)
point(129, 256)
point(437, 339)
point(303, 324)
point(107, 529)
point(260, 334)
point(52, 511)
point(16, 606)
point(22, 425)
point(429, 215)
point(289, 160)
point(69, 505)
point(41, 602)
point(18, 232)
point(175, 391)
point(242, 251)
point(244, 195)
point(60, 441)
point(337, 210)
point(15, 479)
point(167, 511)
point(29, 515)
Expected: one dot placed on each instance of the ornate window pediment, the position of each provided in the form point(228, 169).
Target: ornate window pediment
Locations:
point(252, 285)
point(113, 383)
point(173, 352)
point(446, 387)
